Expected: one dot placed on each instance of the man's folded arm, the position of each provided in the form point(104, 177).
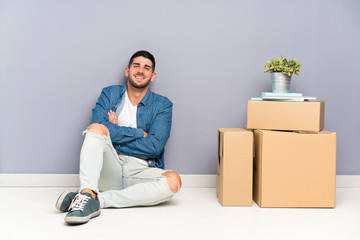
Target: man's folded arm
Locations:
point(118, 134)
point(152, 145)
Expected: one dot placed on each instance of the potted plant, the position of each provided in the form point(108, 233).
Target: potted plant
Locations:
point(281, 71)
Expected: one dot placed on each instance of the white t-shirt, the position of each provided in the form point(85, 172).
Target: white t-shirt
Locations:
point(127, 118)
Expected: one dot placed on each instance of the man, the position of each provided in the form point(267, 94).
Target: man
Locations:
point(122, 157)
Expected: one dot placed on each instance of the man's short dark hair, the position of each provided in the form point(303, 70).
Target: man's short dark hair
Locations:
point(144, 54)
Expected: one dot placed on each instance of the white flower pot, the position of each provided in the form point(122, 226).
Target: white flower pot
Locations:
point(280, 82)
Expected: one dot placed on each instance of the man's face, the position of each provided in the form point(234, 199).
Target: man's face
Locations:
point(140, 73)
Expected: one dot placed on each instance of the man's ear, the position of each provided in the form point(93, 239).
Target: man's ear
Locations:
point(126, 72)
point(153, 76)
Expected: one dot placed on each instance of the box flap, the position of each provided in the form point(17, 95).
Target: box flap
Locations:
point(221, 144)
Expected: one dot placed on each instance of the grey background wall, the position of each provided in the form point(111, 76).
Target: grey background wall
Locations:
point(56, 56)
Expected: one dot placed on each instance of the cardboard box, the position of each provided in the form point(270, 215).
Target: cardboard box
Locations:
point(234, 167)
point(280, 115)
point(294, 169)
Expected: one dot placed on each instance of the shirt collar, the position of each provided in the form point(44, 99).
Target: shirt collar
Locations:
point(145, 100)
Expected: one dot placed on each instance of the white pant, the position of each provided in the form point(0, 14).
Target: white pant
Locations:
point(122, 181)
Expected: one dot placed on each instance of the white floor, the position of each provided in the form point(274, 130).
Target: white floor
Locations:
point(29, 213)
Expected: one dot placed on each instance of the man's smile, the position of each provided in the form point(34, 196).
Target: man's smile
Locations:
point(139, 76)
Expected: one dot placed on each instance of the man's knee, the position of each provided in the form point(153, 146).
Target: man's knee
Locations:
point(98, 128)
point(173, 180)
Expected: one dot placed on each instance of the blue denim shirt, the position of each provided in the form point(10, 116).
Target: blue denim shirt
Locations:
point(154, 115)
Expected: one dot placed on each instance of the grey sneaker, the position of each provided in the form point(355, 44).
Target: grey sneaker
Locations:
point(82, 209)
point(64, 201)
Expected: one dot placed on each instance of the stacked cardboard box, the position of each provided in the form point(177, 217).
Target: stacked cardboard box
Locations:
point(281, 115)
point(295, 167)
point(294, 159)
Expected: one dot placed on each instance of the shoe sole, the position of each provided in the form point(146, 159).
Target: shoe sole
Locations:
point(80, 220)
point(60, 200)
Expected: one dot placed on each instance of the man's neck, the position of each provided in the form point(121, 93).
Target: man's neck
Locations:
point(135, 95)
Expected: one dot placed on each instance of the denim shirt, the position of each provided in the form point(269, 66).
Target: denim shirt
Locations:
point(154, 115)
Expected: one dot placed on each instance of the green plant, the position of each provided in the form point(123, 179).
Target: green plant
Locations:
point(283, 65)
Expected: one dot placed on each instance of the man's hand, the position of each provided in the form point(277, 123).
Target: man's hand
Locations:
point(112, 117)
